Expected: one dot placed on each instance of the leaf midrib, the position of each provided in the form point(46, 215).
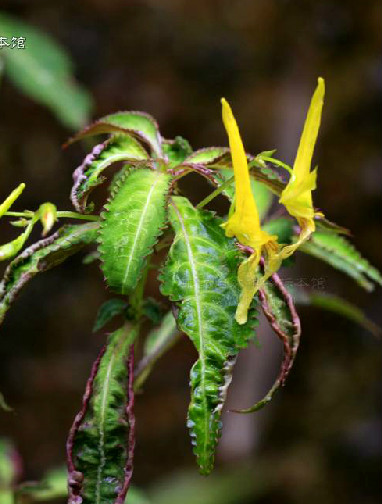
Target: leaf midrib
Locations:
point(195, 281)
point(140, 224)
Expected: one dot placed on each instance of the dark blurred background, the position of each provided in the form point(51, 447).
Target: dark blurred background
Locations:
point(320, 439)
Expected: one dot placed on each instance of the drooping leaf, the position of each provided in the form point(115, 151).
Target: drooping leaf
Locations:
point(158, 342)
point(176, 150)
point(42, 256)
point(138, 124)
point(342, 255)
point(44, 72)
point(200, 276)
point(335, 304)
point(133, 219)
point(101, 441)
point(88, 175)
point(108, 310)
point(279, 309)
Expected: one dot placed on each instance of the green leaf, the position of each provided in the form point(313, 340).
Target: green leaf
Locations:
point(282, 227)
point(101, 441)
point(9, 464)
point(108, 310)
point(138, 124)
point(42, 256)
point(132, 222)
point(176, 150)
point(279, 309)
point(209, 155)
point(4, 405)
point(335, 304)
point(43, 71)
point(342, 255)
point(157, 343)
point(200, 276)
point(153, 310)
point(88, 175)
point(52, 486)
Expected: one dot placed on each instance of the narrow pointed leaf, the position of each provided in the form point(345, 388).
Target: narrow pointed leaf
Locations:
point(108, 310)
point(88, 175)
point(133, 220)
point(336, 304)
point(139, 124)
point(42, 256)
point(200, 276)
point(279, 309)
point(101, 441)
point(342, 255)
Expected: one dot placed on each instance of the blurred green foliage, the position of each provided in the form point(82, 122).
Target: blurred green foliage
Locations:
point(44, 72)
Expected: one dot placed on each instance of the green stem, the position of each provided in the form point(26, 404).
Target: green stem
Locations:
point(75, 215)
point(136, 299)
point(60, 214)
point(215, 193)
point(27, 213)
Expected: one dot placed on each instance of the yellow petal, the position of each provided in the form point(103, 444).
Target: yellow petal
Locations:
point(308, 139)
point(245, 221)
point(246, 277)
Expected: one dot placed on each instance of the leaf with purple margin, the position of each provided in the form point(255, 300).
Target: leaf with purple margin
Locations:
point(88, 175)
point(200, 276)
point(133, 219)
point(138, 124)
point(209, 155)
point(42, 256)
point(101, 442)
point(279, 309)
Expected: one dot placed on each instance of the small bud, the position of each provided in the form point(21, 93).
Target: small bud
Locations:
point(48, 216)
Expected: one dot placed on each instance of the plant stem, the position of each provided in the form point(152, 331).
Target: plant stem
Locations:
point(75, 215)
point(60, 214)
point(27, 213)
point(215, 193)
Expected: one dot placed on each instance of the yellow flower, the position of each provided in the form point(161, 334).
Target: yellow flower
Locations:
point(244, 224)
point(297, 195)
